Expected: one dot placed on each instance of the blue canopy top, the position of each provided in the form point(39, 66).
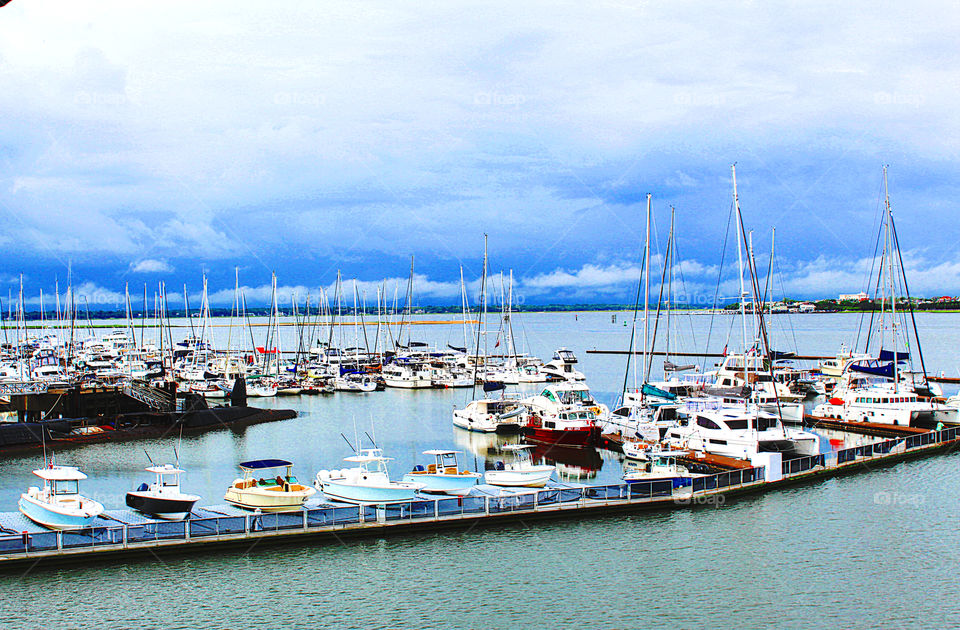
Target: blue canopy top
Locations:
point(259, 464)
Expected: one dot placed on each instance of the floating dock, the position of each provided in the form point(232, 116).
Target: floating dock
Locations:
point(124, 534)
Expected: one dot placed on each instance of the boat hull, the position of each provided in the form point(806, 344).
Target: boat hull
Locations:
point(173, 509)
point(59, 518)
point(268, 501)
point(444, 484)
point(392, 493)
point(535, 477)
point(578, 438)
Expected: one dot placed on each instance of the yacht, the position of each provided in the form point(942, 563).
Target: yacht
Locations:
point(564, 413)
point(59, 505)
point(444, 475)
point(408, 375)
point(355, 382)
point(560, 368)
point(737, 430)
point(877, 400)
point(280, 494)
point(367, 482)
point(163, 498)
point(492, 415)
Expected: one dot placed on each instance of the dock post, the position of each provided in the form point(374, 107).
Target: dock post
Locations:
point(59, 541)
point(124, 535)
point(246, 524)
point(486, 505)
point(436, 509)
point(186, 529)
point(304, 520)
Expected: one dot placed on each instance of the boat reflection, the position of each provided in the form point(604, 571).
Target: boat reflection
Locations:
point(573, 464)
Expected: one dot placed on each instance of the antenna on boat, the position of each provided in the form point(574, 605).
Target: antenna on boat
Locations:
point(348, 442)
point(150, 459)
point(371, 439)
point(176, 449)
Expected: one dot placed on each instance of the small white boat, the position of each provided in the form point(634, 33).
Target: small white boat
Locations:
point(520, 473)
point(444, 475)
point(280, 494)
point(163, 498)
point(368, 482)
point(355, 382)
point(59, 505)
point(262, 389)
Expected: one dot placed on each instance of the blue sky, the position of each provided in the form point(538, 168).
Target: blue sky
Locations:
point(155, 142)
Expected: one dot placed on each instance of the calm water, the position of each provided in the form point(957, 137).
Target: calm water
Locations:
point(877, 549)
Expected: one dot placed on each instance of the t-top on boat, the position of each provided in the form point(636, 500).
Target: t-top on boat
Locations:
point(443, 476)
point(520, 473)
point(660, 465)
point(58, 505)
point(368, 482)
point(280, 494)
point(163, 498)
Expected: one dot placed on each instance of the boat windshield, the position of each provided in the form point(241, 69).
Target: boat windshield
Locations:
point(71, 486)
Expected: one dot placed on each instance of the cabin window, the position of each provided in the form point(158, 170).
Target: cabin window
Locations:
point(549, 424)
point(707, 423)
point(549, 395)
point(623, 412)
point(736, 424)
point(66, 487)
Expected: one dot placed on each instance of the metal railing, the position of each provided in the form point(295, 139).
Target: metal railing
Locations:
point(337, 517)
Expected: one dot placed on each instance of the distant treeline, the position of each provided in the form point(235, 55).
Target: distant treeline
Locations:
point(82, 314)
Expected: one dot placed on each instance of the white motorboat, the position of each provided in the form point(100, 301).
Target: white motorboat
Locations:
point(520, 473)
point(59, 505)
point(444, 475)
point(163, 498)
point(406, 374)
point(366, 483)
point(492, 415)
point(864, 399)
point(355, 382)
point(660, 465)
point(280, 494)
point(560, 368)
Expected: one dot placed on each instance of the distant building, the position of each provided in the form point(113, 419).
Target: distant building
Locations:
point(852, 297)
point(806, 307)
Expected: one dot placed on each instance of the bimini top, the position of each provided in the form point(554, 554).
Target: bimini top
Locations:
point(516, 447)
point(368, 455)
point(166, 469)
point(260, 464)
point(438, 451)
point(60, 473)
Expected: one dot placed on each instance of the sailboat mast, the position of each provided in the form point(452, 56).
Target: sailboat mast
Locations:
point(646, 294)
point(891, 276)
point(743, 294)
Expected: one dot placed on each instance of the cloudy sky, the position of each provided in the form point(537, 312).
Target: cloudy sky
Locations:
point(146, 142)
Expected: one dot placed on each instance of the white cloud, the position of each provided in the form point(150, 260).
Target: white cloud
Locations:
point(151, 265)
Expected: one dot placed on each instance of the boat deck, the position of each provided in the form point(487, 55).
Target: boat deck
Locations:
point(122, 533)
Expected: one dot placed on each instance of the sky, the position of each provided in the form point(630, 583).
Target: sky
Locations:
point(160, 142)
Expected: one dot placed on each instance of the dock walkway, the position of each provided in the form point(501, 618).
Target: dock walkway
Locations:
point(122, 533)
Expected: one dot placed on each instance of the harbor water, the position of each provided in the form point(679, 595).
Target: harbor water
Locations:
point(873, 549)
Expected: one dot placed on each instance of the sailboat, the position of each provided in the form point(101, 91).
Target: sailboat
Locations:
point(737, 427)
point(880, 389)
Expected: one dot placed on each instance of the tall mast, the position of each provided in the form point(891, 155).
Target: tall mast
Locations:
point(646, 293)
point(888, 251)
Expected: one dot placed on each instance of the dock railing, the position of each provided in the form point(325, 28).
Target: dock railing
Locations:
point(339, 517)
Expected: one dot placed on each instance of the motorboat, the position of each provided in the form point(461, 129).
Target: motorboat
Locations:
point(59, 505)
point(564, 413)
point(521, 472)
point(283, 493)
point(163, 498)
point(367, 482)
point(560, 368)
point(492, 415)
point(866, 399)
point(444, 475)
point(660, 465)
point(406, 374)
point(355, 382)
